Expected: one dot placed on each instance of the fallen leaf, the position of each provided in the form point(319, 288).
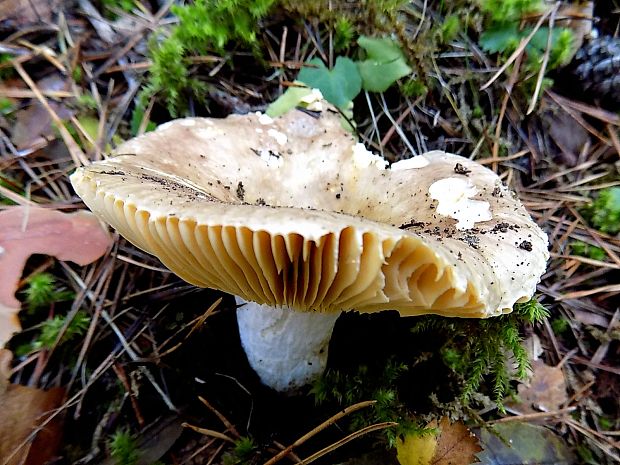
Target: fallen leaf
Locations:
point(416, 449)
point(78, 237)
point(24, 409)
point(545, 391)
point(522, 443)
point(454, 444)
point(33, 125)
point(567, 133)
point(15, 13)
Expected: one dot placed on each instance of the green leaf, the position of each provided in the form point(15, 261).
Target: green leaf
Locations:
point(136, 121)
point(385, 63)
point(339, 85)
point(510, 443)
point(287, 101)
point(504, 38)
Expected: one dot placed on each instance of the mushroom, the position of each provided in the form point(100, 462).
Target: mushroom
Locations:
point(301, 222)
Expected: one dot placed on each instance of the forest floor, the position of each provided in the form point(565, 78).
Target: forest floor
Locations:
point(140, 367)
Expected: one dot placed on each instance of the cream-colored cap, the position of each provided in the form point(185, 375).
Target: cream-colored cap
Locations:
point(293, 211)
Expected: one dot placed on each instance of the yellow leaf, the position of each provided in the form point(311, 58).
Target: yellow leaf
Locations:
point(454, 444)
point(415, 449)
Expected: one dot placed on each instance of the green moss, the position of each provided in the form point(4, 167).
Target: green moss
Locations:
point(413, 88)
point(6, 70)
point(504, 32)
point(586, 250)
point(560, 325)
point(476, 355)
point(504, 11)
point(86, 102)
point(50, 329)
point(205, 26)
point(6, 106)
point(112, 7)
point(42, 291)
point(344, 33)
point(242, 452)
point(604, 212)
point(479, 349)
point(450, 28)
point(370, 383)
point(123, 448)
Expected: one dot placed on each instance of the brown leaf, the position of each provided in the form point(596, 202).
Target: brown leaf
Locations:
point(21, 12)
point(33, 125)
point(569, 136)
point(23, 410)
point(545, 391)
point(78, 237)
point(456, 444)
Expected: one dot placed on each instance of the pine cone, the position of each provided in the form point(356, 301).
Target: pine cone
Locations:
point(596, 67)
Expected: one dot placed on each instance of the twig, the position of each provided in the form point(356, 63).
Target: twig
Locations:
point(209, 432)
point(18, 199)
point(373, 117)
point(349, 438)
point(606, 445)
point(134, 356)
point(502, 111)
point(122, 376)
point(330, 421)
point(229, 426)
point(74, 150)
point(533, 416)
point(396, 126)
point(518, 51)
point(545, 60)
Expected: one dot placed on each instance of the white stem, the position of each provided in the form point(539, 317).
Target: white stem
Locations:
point(288, 349)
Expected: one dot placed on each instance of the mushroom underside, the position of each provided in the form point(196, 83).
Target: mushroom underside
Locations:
point(294, 213)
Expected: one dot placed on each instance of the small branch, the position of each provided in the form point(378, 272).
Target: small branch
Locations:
point(209, 432)
point(349, 438)
point(229, 426)
point(545, 61)
point(74, 149)
point(533, 416)
point(319, 428)
point(518, 51)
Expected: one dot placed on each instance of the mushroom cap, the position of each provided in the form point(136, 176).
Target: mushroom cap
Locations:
point(294, 211)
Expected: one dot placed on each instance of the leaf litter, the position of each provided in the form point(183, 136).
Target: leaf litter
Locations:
point(437, 106)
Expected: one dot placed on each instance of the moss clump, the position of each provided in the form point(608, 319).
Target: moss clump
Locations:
point(42, 291)
point(426, 367)
point(241, 453)
point(204, 26)
point(366, 382)
point(123, 448)
point(586, 250)
point(503, 33)
point(479, 349)
point(604, 212)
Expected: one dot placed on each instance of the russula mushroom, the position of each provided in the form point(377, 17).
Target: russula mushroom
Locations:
point(301, 222)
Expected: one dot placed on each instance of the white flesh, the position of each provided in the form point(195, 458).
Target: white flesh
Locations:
point(288, 349)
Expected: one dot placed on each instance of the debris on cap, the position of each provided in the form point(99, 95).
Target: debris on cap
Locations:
point(293, 211)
